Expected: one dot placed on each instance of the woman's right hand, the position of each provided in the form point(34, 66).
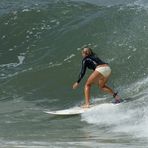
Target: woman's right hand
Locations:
point(75, 85)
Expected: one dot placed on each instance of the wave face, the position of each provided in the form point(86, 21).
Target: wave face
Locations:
point(40, 58)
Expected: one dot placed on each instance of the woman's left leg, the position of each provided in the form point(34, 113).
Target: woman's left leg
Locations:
point(103, 86)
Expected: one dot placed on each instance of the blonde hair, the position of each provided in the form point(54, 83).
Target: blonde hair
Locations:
point(88, 51)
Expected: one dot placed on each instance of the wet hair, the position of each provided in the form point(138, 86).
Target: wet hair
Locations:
point(88, 51)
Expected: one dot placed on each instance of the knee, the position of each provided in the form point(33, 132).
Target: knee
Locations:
point(88, 84)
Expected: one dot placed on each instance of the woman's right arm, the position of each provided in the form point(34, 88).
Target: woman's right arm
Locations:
point(81, 75)
point(83, 71)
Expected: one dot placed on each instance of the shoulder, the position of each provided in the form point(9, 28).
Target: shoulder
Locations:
point(90, 58)
point(85, 60)
point(94, 56)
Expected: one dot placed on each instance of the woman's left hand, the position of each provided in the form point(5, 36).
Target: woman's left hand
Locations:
point(75, 85)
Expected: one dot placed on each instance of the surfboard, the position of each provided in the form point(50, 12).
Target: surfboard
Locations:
point(80, 110)
point(70, 111)
point(73, 111)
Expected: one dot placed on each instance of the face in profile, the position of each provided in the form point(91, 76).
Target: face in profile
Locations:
point(85, 52)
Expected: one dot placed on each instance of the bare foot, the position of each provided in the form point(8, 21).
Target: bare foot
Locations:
point(85, 106)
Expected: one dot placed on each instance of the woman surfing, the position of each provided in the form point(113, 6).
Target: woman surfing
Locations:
point(100, 75)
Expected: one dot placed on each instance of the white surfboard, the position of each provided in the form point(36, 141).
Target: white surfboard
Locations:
point(80, 110)
point(72, 111)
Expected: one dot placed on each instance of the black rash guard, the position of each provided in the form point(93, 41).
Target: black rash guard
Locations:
point(90, 62)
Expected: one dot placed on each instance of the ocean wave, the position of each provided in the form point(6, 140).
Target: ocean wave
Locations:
point(125, 118)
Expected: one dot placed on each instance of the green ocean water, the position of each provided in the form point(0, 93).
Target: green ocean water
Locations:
point(40, 59)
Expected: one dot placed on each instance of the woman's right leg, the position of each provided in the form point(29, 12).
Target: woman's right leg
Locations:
point(91, 80)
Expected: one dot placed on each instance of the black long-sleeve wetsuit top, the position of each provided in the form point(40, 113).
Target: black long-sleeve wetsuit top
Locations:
point(90, 62)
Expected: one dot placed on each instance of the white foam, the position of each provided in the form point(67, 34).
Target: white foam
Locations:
point(54, 64)
point(11, 49)
point(136, 125)
point(25, 10)
point(129, 118)
point(69, 57)
point(3, 37)
point(21, 58)
point(106, 114)
point(137, 87)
